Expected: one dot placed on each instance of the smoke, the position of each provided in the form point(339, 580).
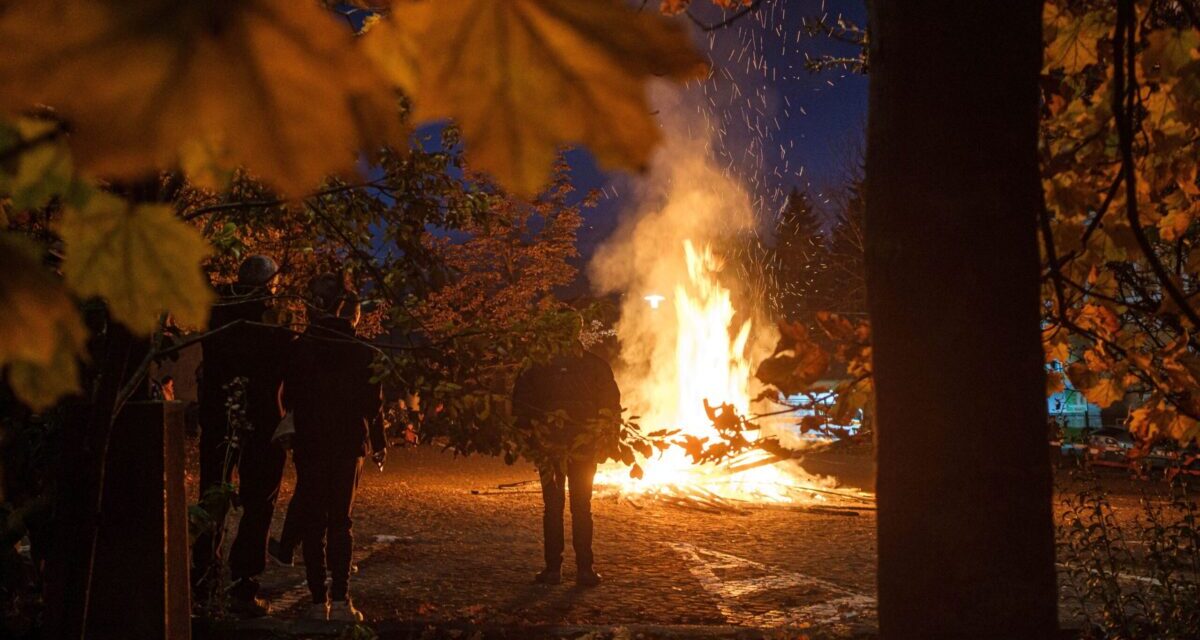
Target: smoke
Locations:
point(686, 196)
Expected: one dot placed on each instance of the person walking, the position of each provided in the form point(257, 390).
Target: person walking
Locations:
point(241, 346)
point(336, 409)
point(567, 406)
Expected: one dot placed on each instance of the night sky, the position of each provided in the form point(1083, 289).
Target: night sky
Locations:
point(818, 119)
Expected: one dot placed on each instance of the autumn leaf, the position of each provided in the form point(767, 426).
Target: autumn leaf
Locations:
point(34, 306)
point(41, 385)
point(1054, 383)
point(1072, 39)
point(1174, 224)
point(523, 78)
point(42, 169)
point(41, 333)
point(140, 258)
point(672, 7)
point(280, 85)
point(1168, 51)
point(1105, 392)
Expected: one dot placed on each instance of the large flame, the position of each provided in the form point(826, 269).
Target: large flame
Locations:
point(682, 340)
point(711, 364)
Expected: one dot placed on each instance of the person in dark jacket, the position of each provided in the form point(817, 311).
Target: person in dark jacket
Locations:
point(326, 291)
point(336, 409)
point(567, 404)
point(241, 347)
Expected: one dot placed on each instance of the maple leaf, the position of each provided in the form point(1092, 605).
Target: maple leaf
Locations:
point(42, 171)
point(1168, 51)
point(41, 385)
point(141, 259)
point(280, 85)
point(1072, 39)
point(41, 334)
point(1174, 224)
point(1105, 392)
point(522, 78)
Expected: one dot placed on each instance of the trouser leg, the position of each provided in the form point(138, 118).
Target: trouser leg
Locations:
point(554, 498)
point(206, 549)
point(343, 481)
point(581, 475)
point(312, 481)
point(289, 537)
point(260, 471)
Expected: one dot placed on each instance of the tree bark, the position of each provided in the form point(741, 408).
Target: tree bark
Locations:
point(966, 544)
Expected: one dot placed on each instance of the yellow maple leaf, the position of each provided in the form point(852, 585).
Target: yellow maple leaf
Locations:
point(1168, 51)
point(523, 78)
point(279, 84)
point(42, 385)
point(1072, 39)
point(35, 308)
point(141, 259)
point(41, 333)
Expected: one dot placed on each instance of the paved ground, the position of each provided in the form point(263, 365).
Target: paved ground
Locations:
point(430, 551)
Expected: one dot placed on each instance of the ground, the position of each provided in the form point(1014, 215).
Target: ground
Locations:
point(439, 543)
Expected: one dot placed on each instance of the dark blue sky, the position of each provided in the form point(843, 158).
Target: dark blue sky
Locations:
point(818, 119)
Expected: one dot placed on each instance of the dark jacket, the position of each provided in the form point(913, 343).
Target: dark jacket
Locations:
point(256, 353)
point(328, 389)
point(582, 386)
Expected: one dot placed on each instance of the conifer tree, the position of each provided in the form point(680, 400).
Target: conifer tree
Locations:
point(844, 282)
point(801, 259)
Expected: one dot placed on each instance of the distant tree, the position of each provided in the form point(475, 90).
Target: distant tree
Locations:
point(801, 259)
point(844, 283)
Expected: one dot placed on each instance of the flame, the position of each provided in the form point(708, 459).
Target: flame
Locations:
point(711, 363)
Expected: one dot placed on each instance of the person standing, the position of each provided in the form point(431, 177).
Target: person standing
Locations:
point(241, 346)
point(326, 292)
point(336, 409)
point(581, 386)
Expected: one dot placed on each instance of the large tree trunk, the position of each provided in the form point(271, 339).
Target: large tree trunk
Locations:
point(966, 545)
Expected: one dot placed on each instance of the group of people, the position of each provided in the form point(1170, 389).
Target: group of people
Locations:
point(319, 384)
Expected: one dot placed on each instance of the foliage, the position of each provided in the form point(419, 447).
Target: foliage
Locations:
point(1120, 259)
point(292, 96)
point(1119, 159)
point(1121, 592)
point(589, 60)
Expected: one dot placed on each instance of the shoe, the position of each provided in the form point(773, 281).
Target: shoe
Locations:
point(548, 576)
point(587, 578)
point(344, 611)
point(277, 555)
point(252, 607)
point(318, 611)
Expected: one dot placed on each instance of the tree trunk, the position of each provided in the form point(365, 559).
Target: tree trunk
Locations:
point(966, 545)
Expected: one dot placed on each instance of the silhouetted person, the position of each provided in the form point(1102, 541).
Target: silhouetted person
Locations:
point(582, 386)
point(336, 408)
point(326, 291)
point(240, 348)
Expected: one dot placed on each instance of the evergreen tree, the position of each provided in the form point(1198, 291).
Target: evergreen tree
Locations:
point(844, 284)
point(801, 259)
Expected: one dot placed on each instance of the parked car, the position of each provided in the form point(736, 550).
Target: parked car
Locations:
point(1110, 447)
